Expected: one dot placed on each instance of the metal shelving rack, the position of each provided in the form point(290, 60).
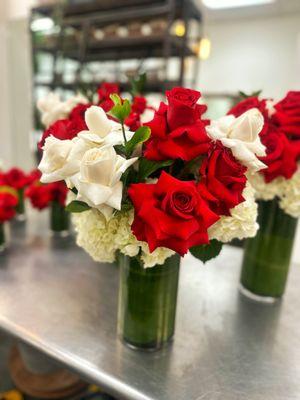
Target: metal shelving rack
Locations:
point(83, 18)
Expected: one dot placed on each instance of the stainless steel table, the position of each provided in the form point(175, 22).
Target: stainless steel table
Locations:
point(54, 297)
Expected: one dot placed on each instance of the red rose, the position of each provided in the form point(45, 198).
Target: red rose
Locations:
point(170, 213)
point(222, 180)
point(183, 108)
point(39, 195)
point(15, 178)
point(287, 115)
point(185, 142)
point(58, 192)
point(107, 105)
point(79, 111)
point(133, 121)
point(63, 129)
point(139, 105)
point(281, 157)
point(106, 89)
point(8, 203)
point(247, 104)
point(34, 176)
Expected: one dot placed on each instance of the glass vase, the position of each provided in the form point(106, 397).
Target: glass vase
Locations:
point(2, 237)
point(147, 302)
point(267, 256)
point(21, 206)
point(59, 219)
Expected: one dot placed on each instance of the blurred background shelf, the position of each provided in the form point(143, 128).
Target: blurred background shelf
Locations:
point(92, 41)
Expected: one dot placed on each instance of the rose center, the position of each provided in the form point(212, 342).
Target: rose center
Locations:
point(182, 202)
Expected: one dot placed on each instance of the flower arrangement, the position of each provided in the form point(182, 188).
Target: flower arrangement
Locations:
point(51, 195)
point(277, 187)
point(8, 204)
point(18, 180)
point(281, 137)
point(175, 184)
point(149, 194)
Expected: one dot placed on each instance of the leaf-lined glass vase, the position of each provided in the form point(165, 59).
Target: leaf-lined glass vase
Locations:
point(20, 209)
point(59, 219)
point(2, 236)
point(147, 302)
point(267, 256)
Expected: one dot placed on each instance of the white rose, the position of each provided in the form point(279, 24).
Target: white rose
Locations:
point(53, 109)
point(98, 182)
point(101, 129)
point(241, 135)
point(61, 159)
point(54, 166)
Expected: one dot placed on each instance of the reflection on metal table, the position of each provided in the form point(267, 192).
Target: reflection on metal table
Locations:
point(54, 297)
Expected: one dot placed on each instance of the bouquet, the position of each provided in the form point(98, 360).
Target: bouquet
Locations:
point(51, 195)
point(176, 183)
point(277, 187)
point(281, 137)
point(8, 204)
point(18, 180)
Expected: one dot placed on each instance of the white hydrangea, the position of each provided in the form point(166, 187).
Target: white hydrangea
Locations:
point(242, 222)
point(102, 239)
point(266, 191)
point(290, 196)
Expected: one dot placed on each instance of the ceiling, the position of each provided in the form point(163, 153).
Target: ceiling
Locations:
point(278, 8)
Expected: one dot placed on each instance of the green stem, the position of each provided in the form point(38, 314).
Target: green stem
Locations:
point(21, 204)
point(2, 235)
point(123, 131)
point(267, 256)
point(59, 217)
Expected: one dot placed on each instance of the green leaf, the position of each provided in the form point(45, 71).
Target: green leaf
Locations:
point(116, 99)
point(120, 149)
point(121, 111)
point(206, 252)
point(74, 190)
point(77, 206)
point(244, 95)
point(140, 136)
point(138, 85)
point(147, 167)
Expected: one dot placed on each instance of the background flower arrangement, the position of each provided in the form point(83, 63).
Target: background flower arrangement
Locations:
point(267, 256)
point(281, 137)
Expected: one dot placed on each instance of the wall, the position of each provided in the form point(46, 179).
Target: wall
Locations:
point(253, 54)
point(15, 84)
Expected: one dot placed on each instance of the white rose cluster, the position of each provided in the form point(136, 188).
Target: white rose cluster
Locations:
point(102, 238)
point(89, 162)
point(242, 222)
point(52, 108)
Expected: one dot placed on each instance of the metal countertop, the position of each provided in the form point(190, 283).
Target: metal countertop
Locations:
point(54, 297)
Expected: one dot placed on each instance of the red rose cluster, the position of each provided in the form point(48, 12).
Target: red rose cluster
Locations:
point(8, 203)
point(15, 178)
point(41, 195)
point(280, 135)
point(177, 213)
